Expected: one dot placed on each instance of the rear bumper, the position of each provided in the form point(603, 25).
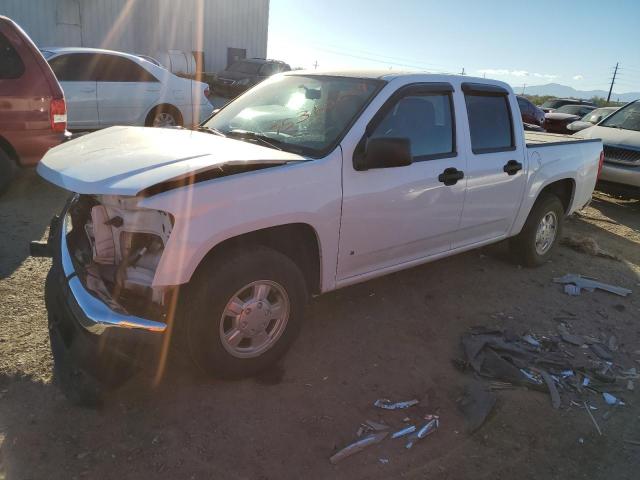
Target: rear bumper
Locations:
point(620, 174)
point(94, 336)
point(31, 145)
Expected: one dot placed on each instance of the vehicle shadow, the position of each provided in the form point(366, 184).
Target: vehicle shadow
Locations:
point(25, 212)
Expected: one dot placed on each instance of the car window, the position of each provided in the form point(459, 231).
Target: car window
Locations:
point(489, 122)
point(269, 69)
point(11, 65)
point(113, 68)
point(426, 120)
point(245, 67)
point(523, 104)
point(74, 67)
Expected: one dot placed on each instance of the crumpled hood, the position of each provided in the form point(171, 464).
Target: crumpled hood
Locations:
point(561, 116)
point(613, 136)
point(127, 160)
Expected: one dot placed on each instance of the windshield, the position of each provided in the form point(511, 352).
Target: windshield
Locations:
point(245, 67)
point(302, 114)
point(594, 116)
point(573, 109)
point(627, 118)
point(554, 103)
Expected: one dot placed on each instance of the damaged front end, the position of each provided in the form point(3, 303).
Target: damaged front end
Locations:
point(116, 248)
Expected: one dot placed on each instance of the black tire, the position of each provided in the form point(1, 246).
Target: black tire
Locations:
point(7, 171)
point(524, 244)
point(214, 284)
point(164, 109)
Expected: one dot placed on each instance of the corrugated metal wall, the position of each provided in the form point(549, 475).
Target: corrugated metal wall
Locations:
point(147, 26)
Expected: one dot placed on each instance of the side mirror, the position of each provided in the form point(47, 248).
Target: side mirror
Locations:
point(384, 153)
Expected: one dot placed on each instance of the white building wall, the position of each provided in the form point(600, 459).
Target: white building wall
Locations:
point(147, 26)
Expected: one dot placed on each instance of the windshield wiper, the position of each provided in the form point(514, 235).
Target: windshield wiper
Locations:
point(248, 135)
point(215, 131)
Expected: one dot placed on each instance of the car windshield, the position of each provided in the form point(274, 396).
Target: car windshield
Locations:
point(572, 109)
point(627, 118)
point(553, 103)
point(301, 114)
point(596, 115)
point(245, 67)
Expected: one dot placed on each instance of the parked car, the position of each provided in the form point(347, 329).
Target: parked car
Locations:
point(244, 74)
point(33, 116)
point(308, 183)
point(557, 121)
point(620, 134)
point(529, 112)
point(555, 103)
point(591, 118)
point(105, 88)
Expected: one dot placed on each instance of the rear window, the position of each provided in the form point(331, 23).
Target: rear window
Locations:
point(490, 123)
point(11, 65)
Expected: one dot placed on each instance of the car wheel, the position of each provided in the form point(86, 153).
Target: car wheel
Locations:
point(541, 232)
point(7, 171)
point(243, 312)
point(163, 117)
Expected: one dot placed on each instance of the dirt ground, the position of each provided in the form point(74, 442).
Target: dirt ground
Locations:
point(394, 337)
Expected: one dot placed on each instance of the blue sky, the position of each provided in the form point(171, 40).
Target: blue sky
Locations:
point(571, 42)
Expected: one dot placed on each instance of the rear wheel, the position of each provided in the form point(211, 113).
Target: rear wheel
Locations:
point(243, 312)
point(7, 171)
point(541, 232)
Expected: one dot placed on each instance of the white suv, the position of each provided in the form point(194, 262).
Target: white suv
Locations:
point(104, 88)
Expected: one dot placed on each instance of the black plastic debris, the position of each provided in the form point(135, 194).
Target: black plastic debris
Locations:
point(476, 405)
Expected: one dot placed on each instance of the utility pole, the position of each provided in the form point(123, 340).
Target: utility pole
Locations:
point(462, 72)
point(315, 65)
point(613, 80)
point(524, 85)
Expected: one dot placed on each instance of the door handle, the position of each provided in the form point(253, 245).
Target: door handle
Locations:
point(512, 167)
point(450, 176)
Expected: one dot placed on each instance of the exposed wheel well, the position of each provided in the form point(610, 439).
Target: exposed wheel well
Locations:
point(298, 241)
point(563, 189)
point(175, 111)
point(9, 150)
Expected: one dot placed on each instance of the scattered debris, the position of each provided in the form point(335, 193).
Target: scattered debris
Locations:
point(358, 446)
point(592, 418)
point(631, 442)
point(377, 426)
point(601, 351)
point(404, 431)
point(384, 461)
point(430, 427)
point(387, 405)
point(590, 285)
point(553, 391)
point(570, 338)
point(587, 245)
point(476, 404)
point(611, 399)
point(531, 341)
point(572, 290)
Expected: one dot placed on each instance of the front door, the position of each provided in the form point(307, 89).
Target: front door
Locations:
point(395, 215)
point(496, 171)
point(76, 74)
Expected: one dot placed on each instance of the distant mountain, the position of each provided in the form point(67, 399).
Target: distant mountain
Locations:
point(558, 90)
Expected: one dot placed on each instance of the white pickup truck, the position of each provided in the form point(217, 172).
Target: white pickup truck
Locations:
point(306, 183)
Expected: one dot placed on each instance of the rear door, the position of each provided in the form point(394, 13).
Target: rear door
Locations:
point(126, 91)
point(76, 73)
point(396, 215)
point(496, 171)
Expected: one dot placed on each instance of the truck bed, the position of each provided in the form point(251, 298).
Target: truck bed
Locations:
point(543, 139)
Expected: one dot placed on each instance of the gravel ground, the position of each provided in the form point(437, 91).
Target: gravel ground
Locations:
point(392, 337)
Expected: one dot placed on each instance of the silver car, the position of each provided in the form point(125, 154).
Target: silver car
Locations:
point(620, 134)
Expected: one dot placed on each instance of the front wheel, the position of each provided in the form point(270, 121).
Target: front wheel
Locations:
point(164, 116)
point(243, 311)
point(541, 232)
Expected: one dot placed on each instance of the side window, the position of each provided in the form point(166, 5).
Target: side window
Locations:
point(74, 67)
point(112, 68)
point(523, 104)
point(490, 123)
point(426, 120)
point(268, 69)
point(11, 65)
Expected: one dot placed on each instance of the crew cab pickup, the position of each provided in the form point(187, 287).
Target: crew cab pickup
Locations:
point(307, 183)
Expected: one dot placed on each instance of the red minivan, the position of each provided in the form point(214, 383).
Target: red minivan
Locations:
point(33, 113)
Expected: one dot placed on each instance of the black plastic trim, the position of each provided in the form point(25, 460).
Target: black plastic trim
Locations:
point(483, 89)
point(563, 142)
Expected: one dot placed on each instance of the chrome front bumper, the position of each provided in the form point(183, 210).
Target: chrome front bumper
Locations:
point(90, 312)
point(620, 174)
